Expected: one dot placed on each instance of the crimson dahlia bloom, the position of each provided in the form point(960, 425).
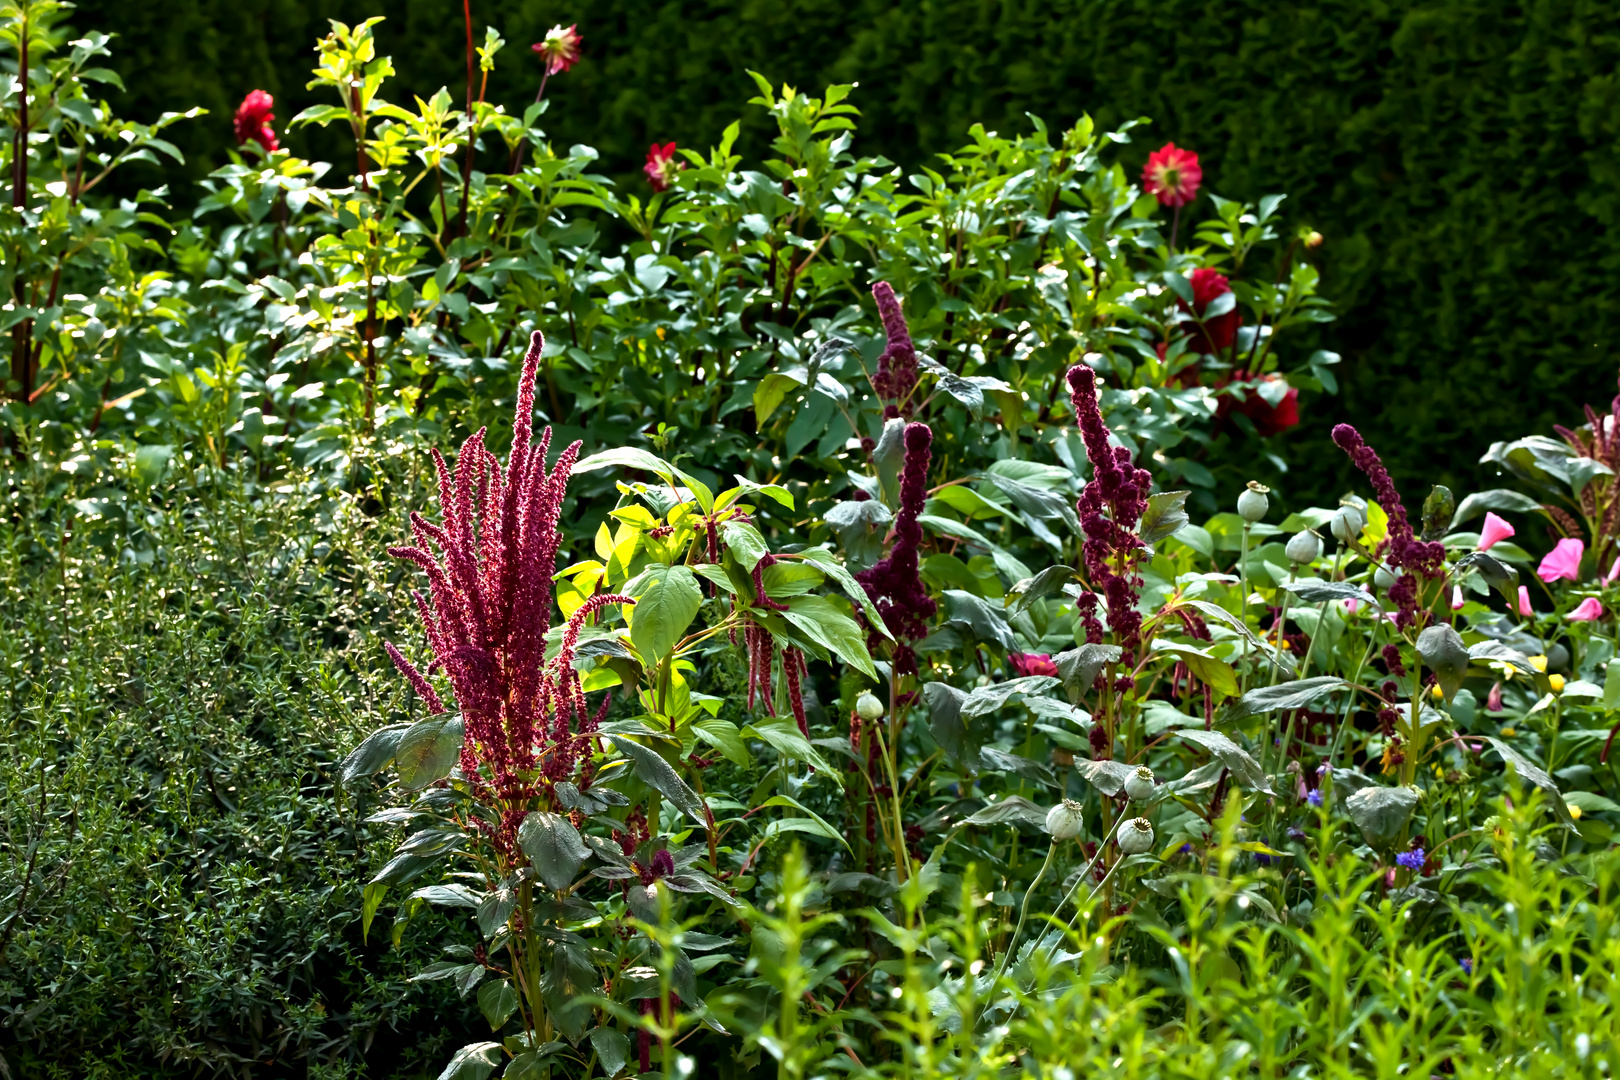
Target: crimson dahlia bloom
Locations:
point(488, 610)
point(1172, 175)
point(1032, 663)
point(560, 49)
point(1218, 333)
point(661, 166)
point(253, 118)
point(1268, 419)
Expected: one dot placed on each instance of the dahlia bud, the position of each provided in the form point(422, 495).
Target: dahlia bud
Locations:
point(1063, 820)
point(1313, 239)
point(1385, 578)
point(867, 706)
point(1139, 786)
point(1347, 524)
point(1304, 547)
point(1252, 503)
point(1135, 836)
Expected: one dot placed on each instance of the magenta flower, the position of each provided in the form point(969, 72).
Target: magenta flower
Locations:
point(1588, 611)
point(1495, 531)
point(1614, 572)
point(661, 166)
point(253, 118)
point(1172, 175)
point(1524, 602)
point(893, 583)
point(1563, 561)
point(560, 49)
point(896, 373)
point(1456, 598)
point(1493, 700)
point(1032, 663)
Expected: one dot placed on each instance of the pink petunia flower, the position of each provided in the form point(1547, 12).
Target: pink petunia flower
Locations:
point(1494, 531)
point(1588, 611)
point(1032, 663)
point(1456, 598)
point(1172, 175)
point(1563, 561)
point(1524, 602)
point(1614, 572)
point(1493, 700)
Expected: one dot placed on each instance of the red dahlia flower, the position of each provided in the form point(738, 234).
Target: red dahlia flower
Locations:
point(1172, 175)
point(560, 49)
point(1032, 663)
point(1218, 333)
point(253, 118)
point(661, 166)
point(1268, 419)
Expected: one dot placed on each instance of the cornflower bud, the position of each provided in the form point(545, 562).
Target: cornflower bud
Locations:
point(1252, 503)
point(1139, 785)
point(1135, 836)
point(867, 706)
point(1063, 820)
point(1304, 547)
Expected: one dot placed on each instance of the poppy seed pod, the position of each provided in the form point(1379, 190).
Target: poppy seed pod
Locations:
point(1252, 503)
point(1347, 524)
point(1384, 578)
point(868, 707)
point(1139, 786)
point(1135, 836)
point(1063, 820)
point(1304, 547)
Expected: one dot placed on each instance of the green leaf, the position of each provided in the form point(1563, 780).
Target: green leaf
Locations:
point(370, 901)
point(1381, 813)
point(1611, 686)
point(612, 1048)
point(1079, 668)
point(1495, 499)
point(1048, 582)
point(987, 699)
point(1165, 516)
point(1290, 695)
point(1316, 591)
point(772, 390)
point(553, 845)
point(745, 543)
point(659, 774)
point(497, 1001)
point(628, 457)
point(945, 721)
point(724, 737)
point(812, 822)
point(832, 629)
point(1443, 651)
point(1014, 809)
point(428, 750)
point(785, 738)
point(1246, 772)
point(1534, 774)
point(667, 600)
point(374, 754)
point(828, 563)
point(474, 1062)
point(986, 622)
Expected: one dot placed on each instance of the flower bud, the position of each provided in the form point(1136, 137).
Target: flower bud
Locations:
point(1135, 836)
point(1063, 820)
point(1139, 785)
point(1252, 504)
point(1304, 547)
point(1347, 524)
point(1313, 240)
point(867, 706)
point(1385, 578)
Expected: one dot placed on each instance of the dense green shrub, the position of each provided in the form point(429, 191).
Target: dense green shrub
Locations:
point(1460, 156)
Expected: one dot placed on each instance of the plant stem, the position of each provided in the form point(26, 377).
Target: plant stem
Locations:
point(1023, 914)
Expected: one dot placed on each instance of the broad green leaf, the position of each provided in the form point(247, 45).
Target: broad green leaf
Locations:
point(1289, 695)
point(1246, 772)
point(628, 457)
point(370, 901)
point(772, 390)
point(497, 1001)
point(1165, 516)
point(553, 845)
point(1443, 651)
point(427, 751)
point(474, 1062)
point(812, 822)
point(659, 774)
point(785, 738)
point(374, 754)
point(832, 629)
point(1381, 813)
point(667, 600)
point(1532, 773)
point(724, 737)
point(745, 543)
point(828, 563)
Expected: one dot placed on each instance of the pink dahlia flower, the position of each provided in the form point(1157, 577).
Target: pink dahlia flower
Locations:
point(560, 49)
point(661, 166)
point(253, 118)
point(1172, 175)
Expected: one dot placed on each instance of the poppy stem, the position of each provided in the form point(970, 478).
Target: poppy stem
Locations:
point(1175, 226)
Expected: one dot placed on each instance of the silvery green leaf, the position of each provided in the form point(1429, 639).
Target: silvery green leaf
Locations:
point(945, 721)
point(554, 846)
point(1107, 777)
point(1494, 499)
point(1315, 591)
point(986, 622)
point(1015, 809)
point(987, 699)
point(1246, 772)
point(1165, 516)
point(1079, 667)
point(1534, 774)
point(1381, 813)
point(1443, 651)
point(1289, 695)
point(1048, 582)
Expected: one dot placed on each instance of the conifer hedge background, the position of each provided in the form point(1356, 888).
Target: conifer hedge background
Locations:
point(1461, 156)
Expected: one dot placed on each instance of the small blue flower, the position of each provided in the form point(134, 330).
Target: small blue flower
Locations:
point(1186, 849)
point(1410, 860)
point(1467, 964)
point(1314, 798)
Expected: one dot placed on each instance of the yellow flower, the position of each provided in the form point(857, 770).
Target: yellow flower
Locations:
point(1574, 811)
point(1539, 663)
point(660, 333)
point(1435, 691)
point(1508, 732)
point(1557, 683)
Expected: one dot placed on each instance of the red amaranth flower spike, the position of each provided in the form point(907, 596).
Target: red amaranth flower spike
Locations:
point(1403, 549)
point(253, 118)
point(488, 609)
point(896, 373)
point(893, 583)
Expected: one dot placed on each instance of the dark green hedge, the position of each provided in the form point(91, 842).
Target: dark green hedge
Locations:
point(1461, 156)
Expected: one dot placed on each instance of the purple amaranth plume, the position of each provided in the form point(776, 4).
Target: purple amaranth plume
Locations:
point(893, 583)
point(897, 366)
point(1110, 507)
point(1404, 550)
point(489, 607)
